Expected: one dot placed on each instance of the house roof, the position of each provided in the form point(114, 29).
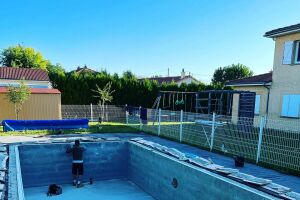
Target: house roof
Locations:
point(35, 90)
point(283, 31)
point(84, 69)
point(14, 73)
point(261, 79)
point(168, 79)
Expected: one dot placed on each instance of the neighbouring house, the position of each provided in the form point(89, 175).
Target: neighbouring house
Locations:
point(277, 92)
point(84, 70)
point(183, 78)
point(44, 101)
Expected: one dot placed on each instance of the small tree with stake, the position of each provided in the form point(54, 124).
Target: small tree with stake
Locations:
point(105, 95)
point(18, 96)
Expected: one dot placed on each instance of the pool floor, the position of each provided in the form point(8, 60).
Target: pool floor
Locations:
point(105, 190)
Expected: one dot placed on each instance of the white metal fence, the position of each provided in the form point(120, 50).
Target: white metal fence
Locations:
point(269, 142)
point(265, 141)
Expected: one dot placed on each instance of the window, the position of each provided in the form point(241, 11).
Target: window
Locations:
point(257, 104)
point(290, 105)
point(291, 53)
point(297, 52)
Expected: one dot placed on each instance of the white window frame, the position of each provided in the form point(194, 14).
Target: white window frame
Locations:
point(297, 49)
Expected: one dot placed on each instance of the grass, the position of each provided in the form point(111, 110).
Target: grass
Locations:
point(105, 127)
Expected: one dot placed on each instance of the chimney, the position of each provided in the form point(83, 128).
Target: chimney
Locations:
point(182, 74)
point(168, 72)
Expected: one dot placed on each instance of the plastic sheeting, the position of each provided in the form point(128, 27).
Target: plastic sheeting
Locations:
point(21, 125)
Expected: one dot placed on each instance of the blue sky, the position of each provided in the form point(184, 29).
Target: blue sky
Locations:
point(149, 36)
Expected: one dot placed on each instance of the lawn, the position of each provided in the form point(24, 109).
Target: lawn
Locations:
point(105, 127)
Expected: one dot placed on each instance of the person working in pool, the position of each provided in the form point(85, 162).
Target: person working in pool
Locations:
point(77, 164)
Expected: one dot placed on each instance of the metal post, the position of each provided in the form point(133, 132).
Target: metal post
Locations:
point(92, 112)
point(180, 127)
point(159, 120)
point(212, 131)
point(140, 118)
point(126, 113)
point(261, 128)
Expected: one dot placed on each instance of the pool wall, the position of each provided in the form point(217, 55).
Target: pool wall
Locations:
point(152, 171)
point(48, 163)
point(155, 175)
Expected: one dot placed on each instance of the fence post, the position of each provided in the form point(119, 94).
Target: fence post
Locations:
point(126, 117)
point(140, 108)
point(261, 128)
point(92, 112)
point(180, 127)
point(159, 120)
point(212, 131)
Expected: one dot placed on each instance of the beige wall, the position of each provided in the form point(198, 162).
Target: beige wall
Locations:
point(38, 106)
point(286, 78)
point(259, 90)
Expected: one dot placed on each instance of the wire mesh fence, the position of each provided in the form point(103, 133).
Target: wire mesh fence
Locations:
point(94, 113)
point(270, 142)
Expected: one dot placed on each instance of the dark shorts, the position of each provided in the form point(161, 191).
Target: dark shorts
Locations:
point(77, 168)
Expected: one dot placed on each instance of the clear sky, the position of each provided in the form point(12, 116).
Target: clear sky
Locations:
point(148, 36)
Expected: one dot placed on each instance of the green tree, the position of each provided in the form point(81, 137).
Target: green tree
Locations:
point(231, 72)
point(18, 96)
point(23, 57)
point(105, 95)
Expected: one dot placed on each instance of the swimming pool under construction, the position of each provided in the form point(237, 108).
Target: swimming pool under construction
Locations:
point(137, 166)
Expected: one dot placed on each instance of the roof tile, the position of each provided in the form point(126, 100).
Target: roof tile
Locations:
point(283, 30)
point(14, 73)
point(258, 79)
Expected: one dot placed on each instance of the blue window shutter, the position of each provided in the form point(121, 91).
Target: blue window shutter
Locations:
point(294, 106)
point(285, 105)
point(288, 52)
point(257, 104)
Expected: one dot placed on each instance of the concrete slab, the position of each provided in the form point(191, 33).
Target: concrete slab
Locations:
point(104, 190)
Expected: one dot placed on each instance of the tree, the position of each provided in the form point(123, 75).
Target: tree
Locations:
point(231, 72)
point(105, 95)
point(18, 96)
point(23, 57)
